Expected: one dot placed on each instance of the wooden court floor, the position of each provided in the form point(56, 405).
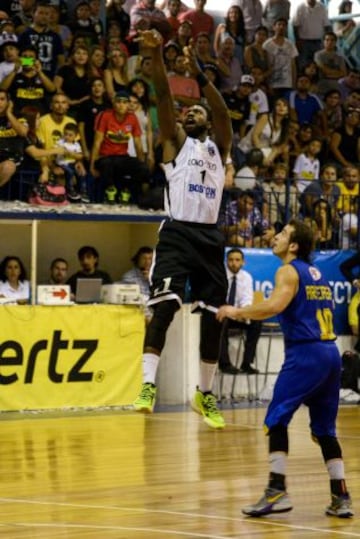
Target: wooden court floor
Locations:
point(121, 475)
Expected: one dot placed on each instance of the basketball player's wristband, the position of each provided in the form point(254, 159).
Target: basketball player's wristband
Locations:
point(202, 79)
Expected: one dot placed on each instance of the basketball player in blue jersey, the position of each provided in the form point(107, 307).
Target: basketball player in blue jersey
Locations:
point(311, 371)
point(190, 247)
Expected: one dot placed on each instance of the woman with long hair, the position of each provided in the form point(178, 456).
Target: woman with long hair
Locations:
point(73, 79)
point(270, 134)
point(234, 27)
point(13, 280)
point(96, 62)
point(115, 75)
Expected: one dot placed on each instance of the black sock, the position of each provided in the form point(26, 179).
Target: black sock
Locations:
point(277, 481)
point(338, 487)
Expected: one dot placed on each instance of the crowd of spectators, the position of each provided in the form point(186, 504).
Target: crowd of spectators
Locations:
point(77, 105)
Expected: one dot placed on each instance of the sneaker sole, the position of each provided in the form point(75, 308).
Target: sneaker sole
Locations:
point(144, 410)
point(208, 421)
point(264, 512)
point(347, 514)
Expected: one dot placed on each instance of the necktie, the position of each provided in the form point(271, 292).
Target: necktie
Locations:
point(232, 292)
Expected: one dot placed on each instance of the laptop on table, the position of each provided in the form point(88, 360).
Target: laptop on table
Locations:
point(88, 291)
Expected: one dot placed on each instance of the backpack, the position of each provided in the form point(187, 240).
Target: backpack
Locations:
point(48, 194)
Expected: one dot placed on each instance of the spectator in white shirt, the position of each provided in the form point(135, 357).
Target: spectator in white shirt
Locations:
point(310, 22)
point(13, 282)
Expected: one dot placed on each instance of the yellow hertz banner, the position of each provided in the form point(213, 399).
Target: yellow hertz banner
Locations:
point(74, 356)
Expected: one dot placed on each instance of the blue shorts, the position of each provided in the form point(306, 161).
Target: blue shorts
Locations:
point(310, 375)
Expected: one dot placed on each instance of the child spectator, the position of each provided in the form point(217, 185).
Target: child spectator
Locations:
point(72, 165)
point(307, 165)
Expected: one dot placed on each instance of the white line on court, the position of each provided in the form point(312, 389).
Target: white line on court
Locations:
point(262, 522)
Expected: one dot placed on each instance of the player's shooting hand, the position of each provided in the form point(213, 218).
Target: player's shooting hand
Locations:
point(150, 39)
point(226, 311)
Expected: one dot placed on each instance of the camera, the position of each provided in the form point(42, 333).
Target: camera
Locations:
point(27, 62)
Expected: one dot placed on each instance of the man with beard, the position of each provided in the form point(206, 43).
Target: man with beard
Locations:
point(190, 247)
point(88, 257)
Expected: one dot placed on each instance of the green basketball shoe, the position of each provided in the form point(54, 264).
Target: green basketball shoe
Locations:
point(205, 405)
point(145, 402)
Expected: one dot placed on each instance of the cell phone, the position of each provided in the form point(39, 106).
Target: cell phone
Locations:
point(27, 62)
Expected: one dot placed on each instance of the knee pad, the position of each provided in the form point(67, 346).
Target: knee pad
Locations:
point(210, 331)
point(278, 439)
point(330, 447)
point(156, 331)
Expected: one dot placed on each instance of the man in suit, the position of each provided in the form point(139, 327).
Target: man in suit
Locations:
point(240, 294)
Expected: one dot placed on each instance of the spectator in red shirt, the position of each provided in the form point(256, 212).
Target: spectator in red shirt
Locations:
point(173, 17)
point(109, 157)
point(201, 21)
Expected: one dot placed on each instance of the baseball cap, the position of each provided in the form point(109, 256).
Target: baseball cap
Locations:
point(247, 79)
point(121, 95)
point(8, 39)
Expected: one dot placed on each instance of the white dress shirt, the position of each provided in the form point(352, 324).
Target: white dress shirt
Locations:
point(22, 292)
point(244, 287)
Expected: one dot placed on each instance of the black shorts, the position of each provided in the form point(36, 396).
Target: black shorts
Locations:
point(189, 253)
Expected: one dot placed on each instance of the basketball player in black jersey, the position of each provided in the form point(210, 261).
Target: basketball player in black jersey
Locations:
point(190, 247)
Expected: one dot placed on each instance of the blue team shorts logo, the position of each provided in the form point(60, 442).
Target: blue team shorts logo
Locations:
point(209, 192)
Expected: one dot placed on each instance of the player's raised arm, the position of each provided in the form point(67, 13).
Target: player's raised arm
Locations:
point(152, 41)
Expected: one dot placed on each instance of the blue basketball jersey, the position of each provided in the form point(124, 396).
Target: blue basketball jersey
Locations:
point(309, 316)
